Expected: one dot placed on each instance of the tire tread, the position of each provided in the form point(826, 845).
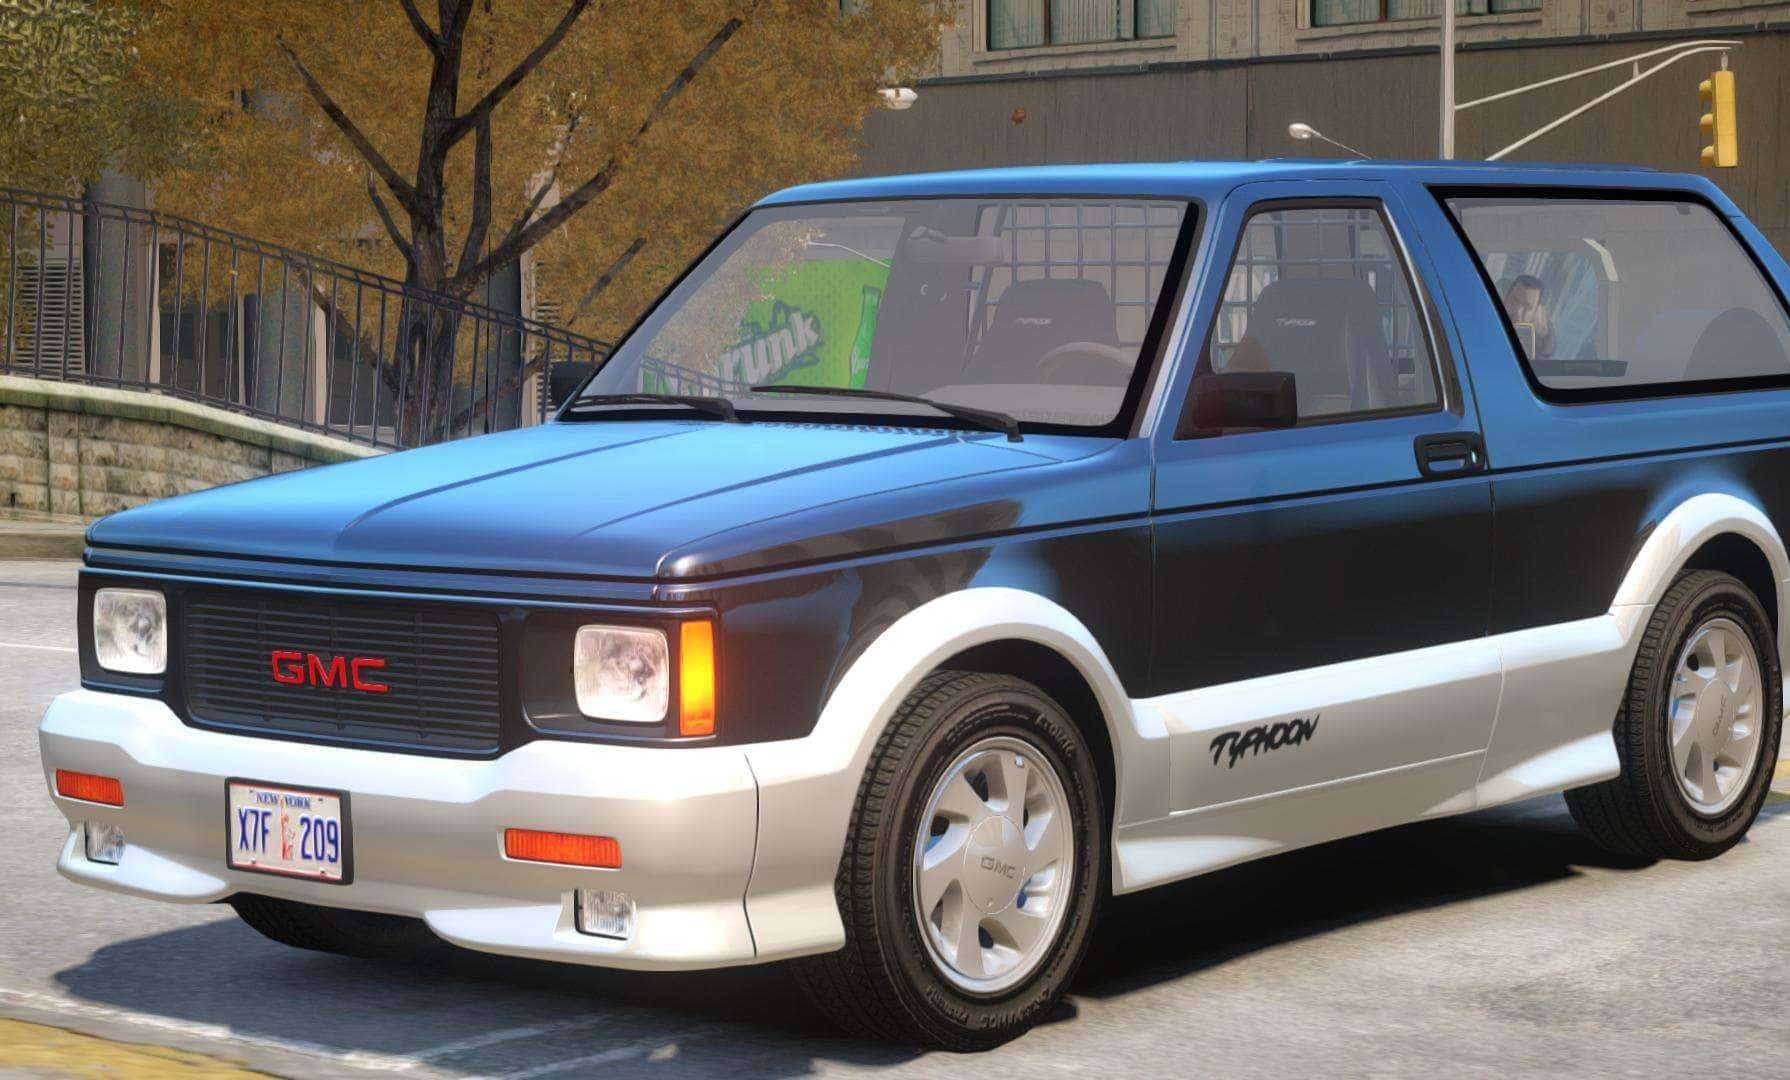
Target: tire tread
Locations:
point(858, 987)
point(1626, 814)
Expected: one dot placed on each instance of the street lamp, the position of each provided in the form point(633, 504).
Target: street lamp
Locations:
point(1303, 131)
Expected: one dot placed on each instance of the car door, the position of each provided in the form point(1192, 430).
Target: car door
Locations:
point(1322, 588)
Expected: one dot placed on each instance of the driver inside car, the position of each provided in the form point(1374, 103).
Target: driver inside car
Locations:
point(1522, 302)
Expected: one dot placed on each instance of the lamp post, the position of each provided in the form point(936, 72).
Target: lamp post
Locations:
point(1304, 132)
point(1448, 109)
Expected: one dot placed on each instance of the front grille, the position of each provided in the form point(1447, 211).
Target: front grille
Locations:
point(441, 669)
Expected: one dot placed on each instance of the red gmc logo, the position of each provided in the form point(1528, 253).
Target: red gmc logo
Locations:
point(302, 669)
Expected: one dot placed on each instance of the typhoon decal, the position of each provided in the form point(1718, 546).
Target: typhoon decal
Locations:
point(1263, 737)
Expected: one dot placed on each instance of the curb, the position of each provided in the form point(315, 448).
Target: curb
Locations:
point(41, 540)
point(31, 393)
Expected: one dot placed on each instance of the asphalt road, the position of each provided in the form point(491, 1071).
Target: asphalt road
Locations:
point(1496, 944)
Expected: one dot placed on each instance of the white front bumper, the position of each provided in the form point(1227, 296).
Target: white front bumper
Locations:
point(427, 832)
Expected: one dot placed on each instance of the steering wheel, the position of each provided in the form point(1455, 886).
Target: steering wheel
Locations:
point(1052, 362)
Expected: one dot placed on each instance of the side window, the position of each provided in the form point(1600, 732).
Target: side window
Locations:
point(1317, 311)
point(1607, 294)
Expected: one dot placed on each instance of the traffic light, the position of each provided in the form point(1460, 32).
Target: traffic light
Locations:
point(1717, 94)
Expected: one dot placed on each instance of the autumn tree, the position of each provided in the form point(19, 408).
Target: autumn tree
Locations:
point(439, 142)
point(69, 109)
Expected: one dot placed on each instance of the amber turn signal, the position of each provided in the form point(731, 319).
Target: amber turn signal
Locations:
point(566, 849)
point(696, 679)
point(89, 788)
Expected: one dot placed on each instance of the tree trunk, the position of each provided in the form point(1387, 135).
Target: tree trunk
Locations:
point(426, 382)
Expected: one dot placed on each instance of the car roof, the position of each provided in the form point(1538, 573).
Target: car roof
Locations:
point(1210, 180)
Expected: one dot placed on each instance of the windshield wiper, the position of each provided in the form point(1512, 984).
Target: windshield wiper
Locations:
point(987, 418)
point(714, 406)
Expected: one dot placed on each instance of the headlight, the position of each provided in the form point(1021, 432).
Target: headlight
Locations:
point(622, 673)
point(130, 631)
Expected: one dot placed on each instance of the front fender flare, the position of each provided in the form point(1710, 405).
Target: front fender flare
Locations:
point(807, 786)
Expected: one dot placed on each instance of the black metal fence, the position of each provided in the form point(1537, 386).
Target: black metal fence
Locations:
point(123, 297)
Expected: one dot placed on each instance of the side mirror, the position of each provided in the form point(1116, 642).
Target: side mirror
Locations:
point(1223, 401)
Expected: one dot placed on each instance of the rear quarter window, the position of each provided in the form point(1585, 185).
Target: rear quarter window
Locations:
point(1610, 296)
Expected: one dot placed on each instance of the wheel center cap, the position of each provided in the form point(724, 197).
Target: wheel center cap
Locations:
point(994, 864)
point(1724, 726)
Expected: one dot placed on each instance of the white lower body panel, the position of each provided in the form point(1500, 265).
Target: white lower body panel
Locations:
point(1434, 731)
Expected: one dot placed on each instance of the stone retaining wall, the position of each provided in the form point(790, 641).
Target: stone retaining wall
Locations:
point(73, 451)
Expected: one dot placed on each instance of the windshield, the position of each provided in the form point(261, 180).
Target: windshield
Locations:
point(1036, 308)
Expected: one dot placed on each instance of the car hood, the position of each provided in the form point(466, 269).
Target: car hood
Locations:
point(638, 499)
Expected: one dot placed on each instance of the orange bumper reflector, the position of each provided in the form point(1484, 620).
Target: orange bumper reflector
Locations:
point(89, 788)
point(567, 849)
point(696, 679)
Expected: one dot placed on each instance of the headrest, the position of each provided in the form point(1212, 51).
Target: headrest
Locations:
point(1064, 309)
point(1311, 304)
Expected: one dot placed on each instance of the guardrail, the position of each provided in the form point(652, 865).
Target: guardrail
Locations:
point(118, 296)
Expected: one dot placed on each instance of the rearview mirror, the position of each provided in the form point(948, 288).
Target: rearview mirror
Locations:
point(1226, 401)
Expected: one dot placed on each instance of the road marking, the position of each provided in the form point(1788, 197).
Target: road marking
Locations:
point(649, 1047)
point(193, 1029)
point(52, 1051)
point(495, 1038)
point(44, 648)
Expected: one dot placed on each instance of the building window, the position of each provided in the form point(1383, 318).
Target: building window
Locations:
point(1020, 24)
point(1345, 12)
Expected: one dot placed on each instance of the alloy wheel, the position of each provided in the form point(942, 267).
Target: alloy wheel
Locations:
point(993, 865)
point(1714, 713)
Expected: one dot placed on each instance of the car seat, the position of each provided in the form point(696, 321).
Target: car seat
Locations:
point(1033, 317)
point(1327, 333)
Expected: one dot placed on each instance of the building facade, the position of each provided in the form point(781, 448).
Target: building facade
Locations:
point(1040, 81)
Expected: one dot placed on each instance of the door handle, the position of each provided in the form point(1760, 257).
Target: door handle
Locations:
point(1453, 454)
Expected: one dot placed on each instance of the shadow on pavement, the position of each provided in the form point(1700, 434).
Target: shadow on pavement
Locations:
point(755, 1021)
point(1230, 913)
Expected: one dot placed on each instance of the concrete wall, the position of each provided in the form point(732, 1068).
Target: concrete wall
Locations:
point(79, 452)
point(1384, 104)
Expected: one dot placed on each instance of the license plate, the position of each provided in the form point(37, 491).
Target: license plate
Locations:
point(294, 832)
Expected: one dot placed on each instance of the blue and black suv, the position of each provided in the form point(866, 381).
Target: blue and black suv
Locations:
point(944, 552)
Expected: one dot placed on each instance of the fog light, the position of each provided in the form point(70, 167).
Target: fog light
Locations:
point(105, 843)
point(605, 913)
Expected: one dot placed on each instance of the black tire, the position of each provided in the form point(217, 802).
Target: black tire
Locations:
point(1643, 811)
point(883, 983)
point(365, 934)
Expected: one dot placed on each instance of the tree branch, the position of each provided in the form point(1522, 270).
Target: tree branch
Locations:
point(605, 278)
point(405, 193)
point(454, 20)
point(430, 37)
point(534, 203)
point(521, 239)
point(482, 108)
point(480, 225)
point(385, 218)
